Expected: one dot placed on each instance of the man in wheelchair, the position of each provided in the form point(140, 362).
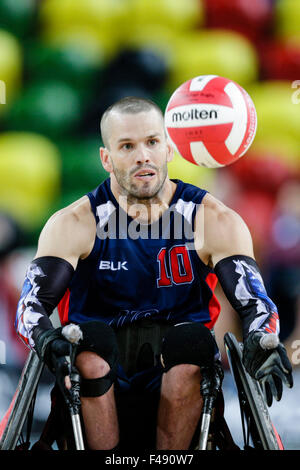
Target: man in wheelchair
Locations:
point(135, 263)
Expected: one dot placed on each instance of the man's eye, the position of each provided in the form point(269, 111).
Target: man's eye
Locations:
point(127, 146)
point(152, 142)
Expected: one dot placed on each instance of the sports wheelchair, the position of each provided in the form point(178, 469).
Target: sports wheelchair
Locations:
point(257, 428)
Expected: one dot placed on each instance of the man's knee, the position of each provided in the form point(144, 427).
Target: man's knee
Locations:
point(97, 358)
point(91, 366)
point(188, 343)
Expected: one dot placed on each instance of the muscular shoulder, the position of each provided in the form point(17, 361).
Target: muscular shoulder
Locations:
point(79, 212)
point(224, 232)
point(217, 213)
point(69, 233)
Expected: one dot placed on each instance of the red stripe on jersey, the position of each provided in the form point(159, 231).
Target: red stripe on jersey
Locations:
point(63, 308)
point(214, 306)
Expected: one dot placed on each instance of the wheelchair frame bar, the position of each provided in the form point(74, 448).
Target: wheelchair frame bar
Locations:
point(77, 432)
point(205, 424)
point(269, 437)
point(21, 401)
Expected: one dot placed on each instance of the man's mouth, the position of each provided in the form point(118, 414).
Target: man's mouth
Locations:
point(145, 175)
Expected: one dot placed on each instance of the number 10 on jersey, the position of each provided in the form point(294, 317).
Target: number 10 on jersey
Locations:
point(174, 266)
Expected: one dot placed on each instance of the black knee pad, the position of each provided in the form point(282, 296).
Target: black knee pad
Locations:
point(100, 338)
point(99, 386)
point(188, 343)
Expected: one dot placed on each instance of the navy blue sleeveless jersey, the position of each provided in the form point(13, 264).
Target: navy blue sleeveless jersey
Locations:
point(142, 271)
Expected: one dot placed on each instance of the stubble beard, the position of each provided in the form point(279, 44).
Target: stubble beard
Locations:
point(145, 195)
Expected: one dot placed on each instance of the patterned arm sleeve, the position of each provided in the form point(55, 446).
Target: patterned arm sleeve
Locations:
point(46, 281)
point(244, 287)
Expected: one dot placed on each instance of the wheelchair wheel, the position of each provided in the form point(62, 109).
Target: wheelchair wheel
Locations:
point(258, 429)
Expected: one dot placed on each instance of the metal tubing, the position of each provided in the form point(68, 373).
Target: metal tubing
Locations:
point(204, 431)
point(77, 432)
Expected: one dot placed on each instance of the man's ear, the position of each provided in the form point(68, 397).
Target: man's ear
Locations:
point(170, 151)
point(105, 159)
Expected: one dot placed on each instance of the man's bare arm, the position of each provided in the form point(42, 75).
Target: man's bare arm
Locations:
point(67, 236)
point(228, 249)
point(225, 233)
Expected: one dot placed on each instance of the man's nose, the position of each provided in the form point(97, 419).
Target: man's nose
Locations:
point(142, 155)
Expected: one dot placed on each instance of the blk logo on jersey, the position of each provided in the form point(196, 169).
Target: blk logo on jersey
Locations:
point(113, 265)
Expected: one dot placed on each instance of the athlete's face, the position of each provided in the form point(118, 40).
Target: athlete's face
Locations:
point(138, 153)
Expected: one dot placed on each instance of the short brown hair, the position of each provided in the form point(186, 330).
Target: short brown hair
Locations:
point(131, 105)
